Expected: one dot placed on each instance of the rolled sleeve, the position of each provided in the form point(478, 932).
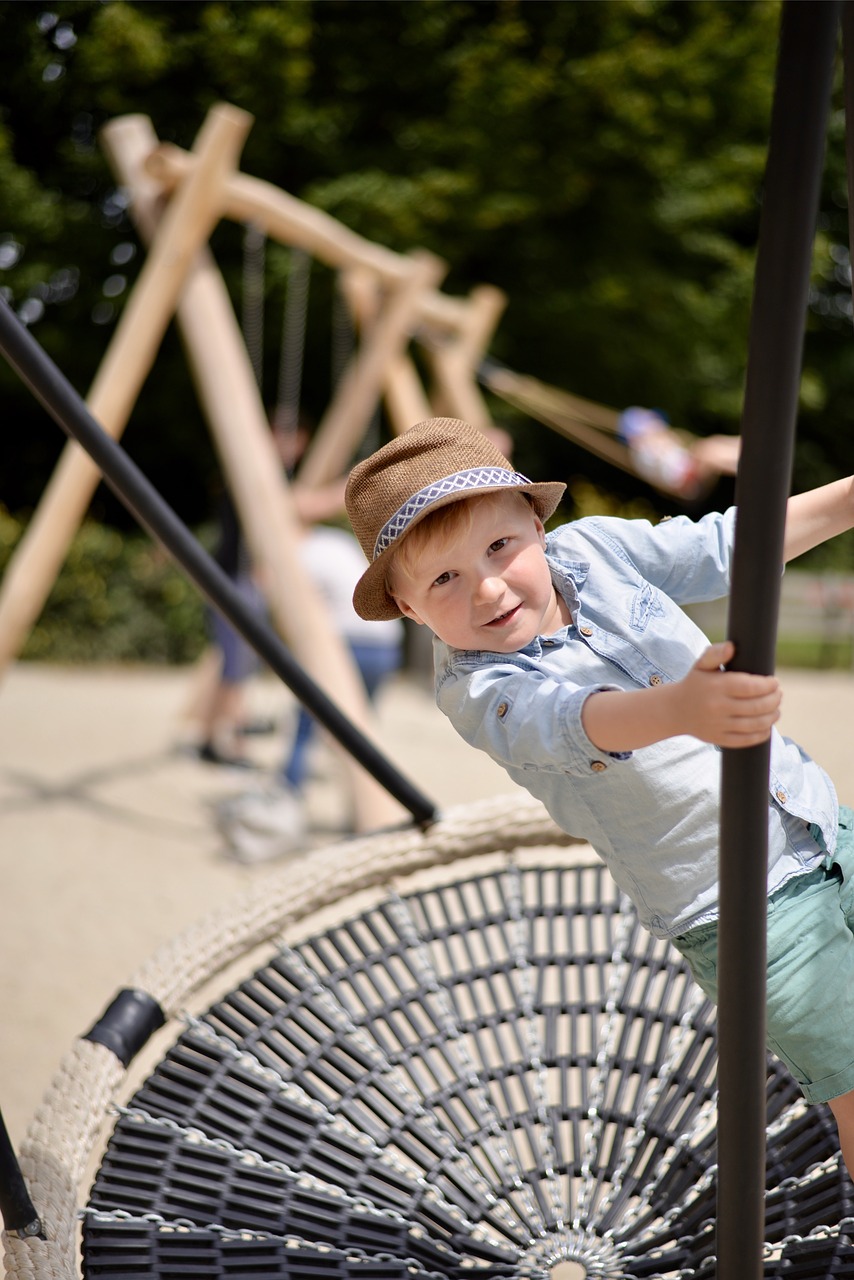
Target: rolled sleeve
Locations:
point(524, 719)
point(584, 754)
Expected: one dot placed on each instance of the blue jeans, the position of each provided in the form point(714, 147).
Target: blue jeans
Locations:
point(239, 659)
point(376, 662)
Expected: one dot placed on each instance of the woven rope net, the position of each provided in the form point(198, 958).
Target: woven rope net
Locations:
point(488, 1071)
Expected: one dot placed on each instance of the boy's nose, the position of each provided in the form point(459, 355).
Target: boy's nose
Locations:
point(488, 588)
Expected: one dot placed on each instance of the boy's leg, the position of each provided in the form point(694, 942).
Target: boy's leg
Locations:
point(843, 1106)
point(843, 1112)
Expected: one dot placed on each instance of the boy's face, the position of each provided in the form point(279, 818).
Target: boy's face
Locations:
point(489, 586)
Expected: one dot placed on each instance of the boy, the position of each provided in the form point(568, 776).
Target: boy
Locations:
point(567, 658)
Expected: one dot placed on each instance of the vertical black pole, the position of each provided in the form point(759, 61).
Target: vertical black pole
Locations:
point(848, 68)
point(808, 35)
point(16, 1207)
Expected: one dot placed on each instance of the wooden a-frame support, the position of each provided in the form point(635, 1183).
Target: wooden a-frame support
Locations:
point(180, 277)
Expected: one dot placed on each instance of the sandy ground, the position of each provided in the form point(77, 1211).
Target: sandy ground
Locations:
point(108, 846)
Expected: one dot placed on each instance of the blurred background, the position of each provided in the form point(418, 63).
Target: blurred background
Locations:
point(600, 163)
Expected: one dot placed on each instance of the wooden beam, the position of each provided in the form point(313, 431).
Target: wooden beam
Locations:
point(186, 225)
point(293, 222)
point(359, 389)
point(455, 357)
point(229, 394)
point(405, 398)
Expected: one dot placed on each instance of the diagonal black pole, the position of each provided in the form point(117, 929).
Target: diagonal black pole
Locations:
point(66, 407)
point(808, 36)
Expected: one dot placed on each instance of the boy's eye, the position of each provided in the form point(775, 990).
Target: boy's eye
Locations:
point(442, 579)
point(498, 544)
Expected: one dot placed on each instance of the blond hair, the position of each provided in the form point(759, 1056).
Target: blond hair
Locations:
point(440, 528)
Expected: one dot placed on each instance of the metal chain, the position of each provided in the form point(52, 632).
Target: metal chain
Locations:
point(292, 354)
point(525, 971)
point(428, 1191)
point(254, 262)
point(495, 1135)
point(654, 1092)
point(604, 1062)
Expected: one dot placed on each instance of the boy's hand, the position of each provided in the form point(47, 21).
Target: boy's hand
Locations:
point(728, 708)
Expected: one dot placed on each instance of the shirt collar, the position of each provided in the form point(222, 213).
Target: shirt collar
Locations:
point(569, 577)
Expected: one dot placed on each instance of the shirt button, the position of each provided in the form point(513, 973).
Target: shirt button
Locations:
point(501, 710)
point(586, 631)
point(598, 766)
point(655, 679)
point(781, 795)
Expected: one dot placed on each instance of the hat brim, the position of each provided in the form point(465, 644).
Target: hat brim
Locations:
point(372, 601)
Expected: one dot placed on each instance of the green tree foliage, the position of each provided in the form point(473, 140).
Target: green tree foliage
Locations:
point(602, 163)
point(117, 598)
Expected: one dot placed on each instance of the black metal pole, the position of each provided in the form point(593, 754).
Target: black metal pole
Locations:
point(808, 36)
point(16, 1207)
point(66, 407)
point(848, 92)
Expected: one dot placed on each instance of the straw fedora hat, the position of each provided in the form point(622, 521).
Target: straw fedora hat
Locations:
point(432, 464)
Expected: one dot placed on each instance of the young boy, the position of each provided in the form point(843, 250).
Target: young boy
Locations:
point(567, 658)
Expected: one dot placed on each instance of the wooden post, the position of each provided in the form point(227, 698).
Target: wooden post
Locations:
point(229, 394)
point(465, 324)
point(405, 398)
point(293, 222)
point(455, 358)
point(344, 423)
point(186, 225)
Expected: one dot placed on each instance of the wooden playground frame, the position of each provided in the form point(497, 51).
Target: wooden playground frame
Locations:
point(177, 198)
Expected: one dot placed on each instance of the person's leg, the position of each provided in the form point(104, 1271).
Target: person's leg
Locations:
point(810, 985)
point(295, 768)
point(843, 1113)
point(843, 1106)
point(376, 662)
point(226, 711)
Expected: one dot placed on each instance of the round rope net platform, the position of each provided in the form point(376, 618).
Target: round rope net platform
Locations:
point(498, 1073)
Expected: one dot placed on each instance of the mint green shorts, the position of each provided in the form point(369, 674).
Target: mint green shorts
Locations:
point(810, 1000)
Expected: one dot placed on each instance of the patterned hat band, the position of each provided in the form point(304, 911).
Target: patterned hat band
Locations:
point(459, 482)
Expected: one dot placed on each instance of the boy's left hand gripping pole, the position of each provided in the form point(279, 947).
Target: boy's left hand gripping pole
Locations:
point(67, 408)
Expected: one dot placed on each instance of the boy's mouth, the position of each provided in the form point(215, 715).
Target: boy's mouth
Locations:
point(504, 617)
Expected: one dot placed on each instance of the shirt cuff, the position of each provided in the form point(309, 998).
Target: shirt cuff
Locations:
point(583, 754)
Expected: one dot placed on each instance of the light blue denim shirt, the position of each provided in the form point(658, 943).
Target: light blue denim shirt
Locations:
point(651, 814)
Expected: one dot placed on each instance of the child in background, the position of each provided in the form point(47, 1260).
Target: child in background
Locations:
point(659, 456)
point(567, 658)
point(673, 461)
point(333, 561)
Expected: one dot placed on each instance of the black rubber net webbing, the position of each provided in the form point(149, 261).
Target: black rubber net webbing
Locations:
point(489, 1077)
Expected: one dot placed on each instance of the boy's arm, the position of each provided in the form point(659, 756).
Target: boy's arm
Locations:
point(819, 514)
point(727, 708)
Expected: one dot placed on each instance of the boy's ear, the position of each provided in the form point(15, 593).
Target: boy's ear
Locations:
point(541, 531)
point(408, 611)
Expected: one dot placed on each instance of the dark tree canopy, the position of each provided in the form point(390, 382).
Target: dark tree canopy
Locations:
point(601, 163)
